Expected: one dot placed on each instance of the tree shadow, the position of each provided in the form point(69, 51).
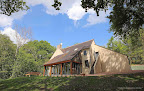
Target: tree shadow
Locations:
point(78, 83)
point(110, 83)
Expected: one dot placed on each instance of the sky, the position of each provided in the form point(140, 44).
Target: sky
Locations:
point(70, 25)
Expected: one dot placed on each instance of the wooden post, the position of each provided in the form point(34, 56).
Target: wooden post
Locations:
point(50, 70)
point(61, 70)
point(44, 71)
point(80, 68)
point(71, 67)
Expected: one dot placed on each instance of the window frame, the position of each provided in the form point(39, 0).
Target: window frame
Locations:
point(86, 63)
point(85, 52)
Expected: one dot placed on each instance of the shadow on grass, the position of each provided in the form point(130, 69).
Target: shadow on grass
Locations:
point(110, 83)
point(32, 83)
point(113, 82)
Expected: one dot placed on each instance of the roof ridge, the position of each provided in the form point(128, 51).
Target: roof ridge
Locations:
point(78, 44)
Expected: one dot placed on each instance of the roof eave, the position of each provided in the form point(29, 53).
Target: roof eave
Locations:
point(57, 63)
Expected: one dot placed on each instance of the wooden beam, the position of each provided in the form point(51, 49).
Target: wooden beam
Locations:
point(71, 67)
point(61, 70)
point(58, 63)
point(50, 70)
point(44, 71)
point(77, 62)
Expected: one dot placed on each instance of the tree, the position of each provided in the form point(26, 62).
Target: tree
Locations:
point(127, 18)
point(117, 45)
point(126, 46)
point(138, 48)
point(32, 56)
point(7, 56)
point(22, 36)
point(8, 7)
point(24, 63)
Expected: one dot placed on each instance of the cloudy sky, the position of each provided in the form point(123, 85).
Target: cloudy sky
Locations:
point(70, 25)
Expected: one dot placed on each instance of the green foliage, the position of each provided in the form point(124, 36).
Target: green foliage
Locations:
point(7, 56)
point(127, 17)
point(100, 5)
point(126, 46)
point(57, 4)
point(116, 45)
point(32, 56)
point(8, 7)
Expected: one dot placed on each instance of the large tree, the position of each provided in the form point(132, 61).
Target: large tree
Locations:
point(32, 56)
point(22, 36)
point(126, 46)
point(7, 56)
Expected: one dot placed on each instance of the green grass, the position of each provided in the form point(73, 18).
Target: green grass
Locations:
point(137, 67)
point(112, 83)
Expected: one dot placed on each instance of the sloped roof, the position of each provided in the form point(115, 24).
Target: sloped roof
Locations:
point(70, 52)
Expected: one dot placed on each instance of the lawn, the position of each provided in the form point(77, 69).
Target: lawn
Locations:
point(137, 67)
point(113, 82)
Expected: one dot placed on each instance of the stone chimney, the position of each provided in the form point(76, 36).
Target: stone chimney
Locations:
point(59, 46)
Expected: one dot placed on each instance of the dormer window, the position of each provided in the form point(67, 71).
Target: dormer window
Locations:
point(75, 49)
point(67, 51)
point(85, 52)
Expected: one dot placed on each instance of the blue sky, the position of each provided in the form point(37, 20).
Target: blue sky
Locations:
point(63, 27)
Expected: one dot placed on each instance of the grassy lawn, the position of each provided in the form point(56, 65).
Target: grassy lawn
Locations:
point(113, 82)
point(137, 67)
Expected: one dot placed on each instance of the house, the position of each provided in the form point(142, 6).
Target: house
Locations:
point(85, 58)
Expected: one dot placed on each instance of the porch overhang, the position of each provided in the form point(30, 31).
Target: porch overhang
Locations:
point(57, 63)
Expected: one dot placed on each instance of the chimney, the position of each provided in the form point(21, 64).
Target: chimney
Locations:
point(59, 46)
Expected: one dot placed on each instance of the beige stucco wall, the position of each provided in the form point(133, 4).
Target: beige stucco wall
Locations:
point(85, 69)
point(110, 61)
point(56, 53)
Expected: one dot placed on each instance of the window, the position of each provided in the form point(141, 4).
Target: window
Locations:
point(86, 63)
point(85, 52)
point(76, 49)
point(96, 52)
point(67, 51)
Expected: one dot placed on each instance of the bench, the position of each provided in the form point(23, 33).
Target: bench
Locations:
point(32, 73)
point(82, 74)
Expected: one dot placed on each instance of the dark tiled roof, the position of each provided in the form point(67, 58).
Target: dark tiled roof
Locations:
point(70, 52)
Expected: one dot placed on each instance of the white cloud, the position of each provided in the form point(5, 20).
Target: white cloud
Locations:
point(76, 12)
point(73, 9)
point(66, 4)
point(18, 15)
point(11, 33)
point(94, 19)
point(7, 21)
